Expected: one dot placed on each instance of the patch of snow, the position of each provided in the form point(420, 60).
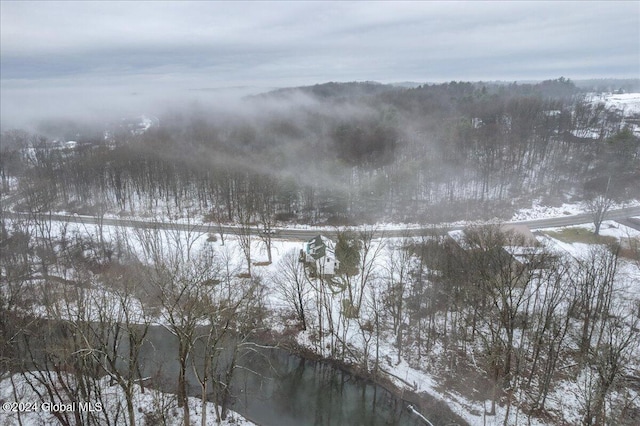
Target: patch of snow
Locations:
point(628, 103)
point(539, 211)
point(18, 389)
point(586, 133)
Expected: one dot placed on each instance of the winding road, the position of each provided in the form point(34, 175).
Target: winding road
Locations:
point(306, 233)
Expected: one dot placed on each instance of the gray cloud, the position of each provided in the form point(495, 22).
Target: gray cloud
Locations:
point(116, 48)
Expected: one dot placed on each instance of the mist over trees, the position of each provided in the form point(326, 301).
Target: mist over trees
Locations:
point(510, 328)
point(338, 154)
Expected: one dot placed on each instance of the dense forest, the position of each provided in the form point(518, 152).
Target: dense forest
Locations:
point(337, 153)
point(506, 326)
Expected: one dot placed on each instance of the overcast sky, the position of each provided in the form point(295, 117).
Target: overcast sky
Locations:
point(78, 51)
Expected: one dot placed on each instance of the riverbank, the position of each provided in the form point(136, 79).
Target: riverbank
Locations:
point(22, 401)
point(421, 401)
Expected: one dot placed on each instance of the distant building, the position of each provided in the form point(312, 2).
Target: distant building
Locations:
point(523, 246)
point(528, 239)
point(321, 251)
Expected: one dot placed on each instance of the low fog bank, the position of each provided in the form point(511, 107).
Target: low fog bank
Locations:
point(329, 153)
point(27, 104)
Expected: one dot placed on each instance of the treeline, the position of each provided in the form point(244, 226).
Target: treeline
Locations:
point(345, 153)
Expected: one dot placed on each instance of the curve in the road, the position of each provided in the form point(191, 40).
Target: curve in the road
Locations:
point(304, 234)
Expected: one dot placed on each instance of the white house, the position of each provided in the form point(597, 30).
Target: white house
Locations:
point(321, 251)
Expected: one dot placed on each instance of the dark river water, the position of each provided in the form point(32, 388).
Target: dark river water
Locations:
point(274, 387)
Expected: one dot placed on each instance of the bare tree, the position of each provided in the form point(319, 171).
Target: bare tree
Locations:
point(598, 206)
point(126, 322)
point(369, 325)
point(550, 323)
point(610, 359)
point(266, 191)
point(507, 285)
point(371, 250)
point(244, 230)
point(397, 286)
point(230, 323)
point(593, 281)
point(17, 292)
point(180, 276)
point(70, 351)
point(293, 285)
point(358, 253)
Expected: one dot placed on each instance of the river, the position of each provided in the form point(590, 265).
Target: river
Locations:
point(274, 387)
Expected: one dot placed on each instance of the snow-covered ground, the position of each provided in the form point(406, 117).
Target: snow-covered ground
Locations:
point(539, 211)
point(402, 372)
point(628, 103)
point(569, 395)
point(147, 405)
point(628, 270)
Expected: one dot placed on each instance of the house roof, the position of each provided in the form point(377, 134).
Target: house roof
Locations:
point(316, 247)
point(459, 237)
point(524, 254)
point(529, 240)
point(319, 246)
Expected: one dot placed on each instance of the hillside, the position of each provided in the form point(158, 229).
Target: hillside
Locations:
point(342, 153)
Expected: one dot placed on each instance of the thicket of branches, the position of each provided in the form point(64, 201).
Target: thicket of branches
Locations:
point(487, 325)
point(76, 309)
point(356, 154)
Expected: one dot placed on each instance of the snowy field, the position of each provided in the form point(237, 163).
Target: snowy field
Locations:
point(628, 103)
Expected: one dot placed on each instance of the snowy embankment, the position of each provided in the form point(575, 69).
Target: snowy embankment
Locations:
point(149, 405)
point(539, 211)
